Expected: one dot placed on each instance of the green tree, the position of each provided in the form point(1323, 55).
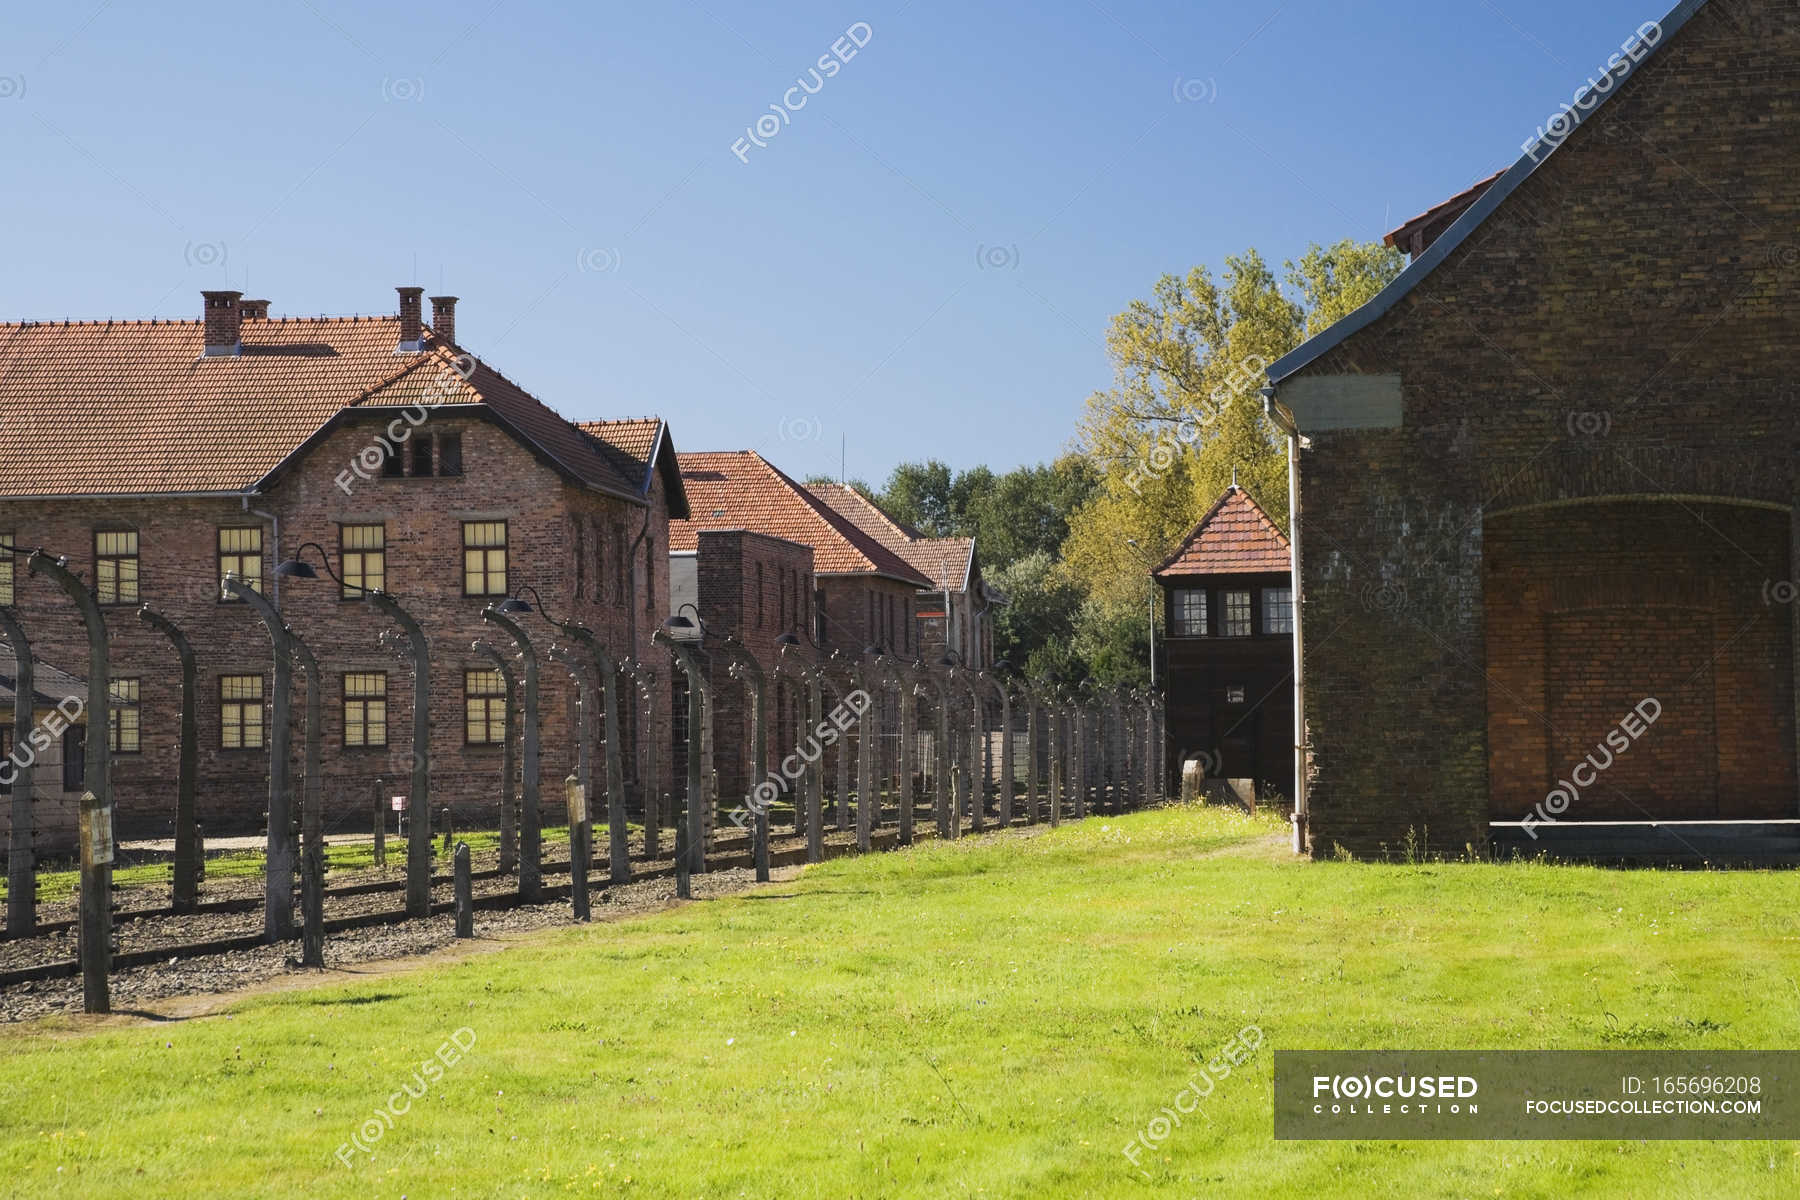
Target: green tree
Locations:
point(1184, 417)
point(919, 495)
point(1034, 628)
point(1027, 510)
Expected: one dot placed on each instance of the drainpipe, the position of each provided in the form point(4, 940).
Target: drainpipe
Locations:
point(275, 534)
point(1283, 417)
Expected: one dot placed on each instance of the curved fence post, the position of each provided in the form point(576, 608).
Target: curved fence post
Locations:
point(21, 858)
point(418, 816)
point(96, 884)
point(186, 892)
point(693, 830)
point(531, 829)
point(509, 795)
point(312, 814)
point(747, 670)
point(278, 867)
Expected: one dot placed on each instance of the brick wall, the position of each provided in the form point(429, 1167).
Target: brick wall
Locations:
point(423, 517)
point(754, 587)
point(1591, 610)
point(865, 610)
point(1621, 327)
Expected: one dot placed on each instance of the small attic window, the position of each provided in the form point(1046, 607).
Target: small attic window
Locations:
point(421, 457)
point(450, 454)
point(393, 466)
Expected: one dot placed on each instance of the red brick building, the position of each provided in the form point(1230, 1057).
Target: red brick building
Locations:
point(1228, 647)
point(158, 455)
point(859, 593)
point(956, 612)
point(762, 556)
point(1548, 531)
point(756, 588)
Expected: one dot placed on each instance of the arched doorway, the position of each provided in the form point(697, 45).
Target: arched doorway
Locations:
point(1639, 660)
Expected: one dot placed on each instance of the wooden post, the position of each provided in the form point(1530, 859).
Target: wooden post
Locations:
point(312, 905)
point(465, 892)
point(96, 904)
point(576, 793)
point(380, 823)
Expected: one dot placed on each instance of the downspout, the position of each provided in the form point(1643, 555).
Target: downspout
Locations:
point(275, 522)
point(1283, 417)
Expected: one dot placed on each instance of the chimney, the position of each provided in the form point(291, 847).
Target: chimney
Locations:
point(412, 333)
point(443, 318)
point(221, 313)
point(253, 310)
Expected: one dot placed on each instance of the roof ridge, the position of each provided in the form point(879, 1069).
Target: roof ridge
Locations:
point(35, 322)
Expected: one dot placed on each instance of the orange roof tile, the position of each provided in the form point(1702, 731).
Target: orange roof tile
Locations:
point(1235, 537)
point(132, 407)
point(947, 562)
point(740, 489)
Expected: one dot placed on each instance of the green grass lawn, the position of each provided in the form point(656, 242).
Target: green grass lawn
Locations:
point(995, 1017)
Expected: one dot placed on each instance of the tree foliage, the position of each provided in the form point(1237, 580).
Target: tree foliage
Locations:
point(1184, 417)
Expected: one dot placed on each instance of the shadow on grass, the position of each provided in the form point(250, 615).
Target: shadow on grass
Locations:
point(372, 998)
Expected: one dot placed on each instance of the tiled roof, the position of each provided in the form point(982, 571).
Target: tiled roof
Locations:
point(1235, 537)
point(131, 407)
point(740, 489)
point(641, 447)
point(1416, 235)
point(632, 436)
point(946, 562)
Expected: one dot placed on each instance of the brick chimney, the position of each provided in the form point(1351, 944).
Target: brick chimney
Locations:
point(222, 315)
point(443, 318)
point(253, 310)
point(412, 332)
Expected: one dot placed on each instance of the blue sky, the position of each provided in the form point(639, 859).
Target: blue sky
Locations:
point(919, 263)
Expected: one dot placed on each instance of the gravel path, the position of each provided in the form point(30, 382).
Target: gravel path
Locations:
point(247, 968)
point(204, 974)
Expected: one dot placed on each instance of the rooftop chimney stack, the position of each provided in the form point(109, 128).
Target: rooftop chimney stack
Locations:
point(412, 325)
point(254, 310)
point(443, 318)
point(222, 316)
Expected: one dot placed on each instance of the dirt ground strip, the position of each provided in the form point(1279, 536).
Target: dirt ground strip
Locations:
point(134, 987)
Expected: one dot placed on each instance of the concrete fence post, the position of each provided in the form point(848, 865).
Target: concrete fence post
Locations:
point(21, 859)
